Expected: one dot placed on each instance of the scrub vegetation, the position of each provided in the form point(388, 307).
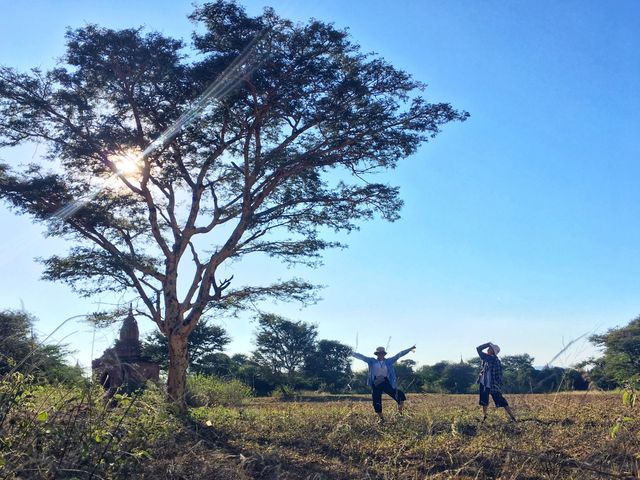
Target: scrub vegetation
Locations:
point(69, 432)
point(61, 426)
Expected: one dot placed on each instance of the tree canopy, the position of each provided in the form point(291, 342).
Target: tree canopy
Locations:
point(22, 351)
point(620, 363)
point(204, 342)
point(329, 365)
point(284, 345)
point(153, 181)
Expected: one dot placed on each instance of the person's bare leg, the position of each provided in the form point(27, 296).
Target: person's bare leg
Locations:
point(484, 412)
point(400, 407)
point(510, 412)
point(380, 417)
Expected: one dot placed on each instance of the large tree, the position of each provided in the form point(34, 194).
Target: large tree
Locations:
point(458, 377)
point(620, 363)
point(276, 153)
point(430, 376)
point(328, 365)
point(519, 374)
point(284, 345)
point(203, 343)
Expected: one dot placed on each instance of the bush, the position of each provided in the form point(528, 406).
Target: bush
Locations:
point(59, 431)
point(207, 391)
point(286, 393)
point(21, 351)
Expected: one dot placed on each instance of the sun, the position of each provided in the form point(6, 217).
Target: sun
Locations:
point(127, 163)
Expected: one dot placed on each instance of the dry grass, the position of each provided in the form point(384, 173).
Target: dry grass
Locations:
point(440, 436)
point(561, 436)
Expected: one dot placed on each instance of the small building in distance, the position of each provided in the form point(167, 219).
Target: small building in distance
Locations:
point(122, 368)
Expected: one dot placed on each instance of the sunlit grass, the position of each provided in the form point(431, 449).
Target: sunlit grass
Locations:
point(49, 431)
point(440, 436)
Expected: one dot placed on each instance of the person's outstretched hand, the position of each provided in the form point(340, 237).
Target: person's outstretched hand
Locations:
point(413, 349)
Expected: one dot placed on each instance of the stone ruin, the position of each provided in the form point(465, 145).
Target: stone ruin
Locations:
point(122, 368)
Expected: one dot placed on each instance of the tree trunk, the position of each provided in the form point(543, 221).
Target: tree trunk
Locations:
point(178, 362)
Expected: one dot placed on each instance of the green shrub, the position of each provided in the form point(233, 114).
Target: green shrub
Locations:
point(207, 391)
point(285, 393)
point(59, 431)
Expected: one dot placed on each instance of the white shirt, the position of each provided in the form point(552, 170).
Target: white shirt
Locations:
point(379, 369)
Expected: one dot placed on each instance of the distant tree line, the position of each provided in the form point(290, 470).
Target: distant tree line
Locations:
point(22, 351)
point(619, 365)
point(461, 377)
point(288, 356)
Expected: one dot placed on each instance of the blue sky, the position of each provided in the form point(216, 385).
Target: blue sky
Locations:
point(520, 225)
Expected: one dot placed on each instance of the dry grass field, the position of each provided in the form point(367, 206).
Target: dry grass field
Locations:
point(55, 434)
point(440, 436)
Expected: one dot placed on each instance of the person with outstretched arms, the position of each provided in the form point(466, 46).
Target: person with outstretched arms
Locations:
point(382, 378)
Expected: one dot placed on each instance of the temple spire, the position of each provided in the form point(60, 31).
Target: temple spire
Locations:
point(129, 344)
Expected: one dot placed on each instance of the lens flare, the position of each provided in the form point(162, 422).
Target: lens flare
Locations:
point(128, 163)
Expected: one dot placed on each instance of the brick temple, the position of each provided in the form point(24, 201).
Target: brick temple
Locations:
point(122, 367)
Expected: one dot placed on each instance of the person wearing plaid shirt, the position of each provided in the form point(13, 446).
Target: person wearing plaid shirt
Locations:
point(490, 379)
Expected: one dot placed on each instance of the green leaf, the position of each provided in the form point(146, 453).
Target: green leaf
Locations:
point(626, 397)
point(614, 430)
point(43, 416)
point(2, 462)
point(142, 454)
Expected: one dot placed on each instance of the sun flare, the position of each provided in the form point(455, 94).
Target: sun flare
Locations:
point(127, 163)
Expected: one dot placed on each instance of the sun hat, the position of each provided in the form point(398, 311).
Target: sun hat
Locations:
point(495, 348)
point(380, 350)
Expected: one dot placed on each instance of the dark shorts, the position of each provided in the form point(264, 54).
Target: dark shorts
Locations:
point(498, 399)
point(376, 394)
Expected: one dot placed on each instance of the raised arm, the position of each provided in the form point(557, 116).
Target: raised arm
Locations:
point(359, 356)
point(480, 349)
point(401, 354)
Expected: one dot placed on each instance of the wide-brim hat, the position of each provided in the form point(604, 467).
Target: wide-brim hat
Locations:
point(495, 348)
point(380, 350)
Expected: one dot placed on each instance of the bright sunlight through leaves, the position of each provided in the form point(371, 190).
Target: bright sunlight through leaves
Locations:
point(128, 163)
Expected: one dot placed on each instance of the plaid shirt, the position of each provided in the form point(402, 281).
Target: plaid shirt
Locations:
point(492, 367)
